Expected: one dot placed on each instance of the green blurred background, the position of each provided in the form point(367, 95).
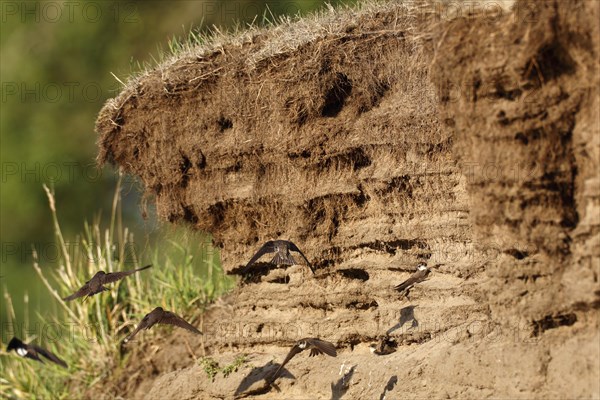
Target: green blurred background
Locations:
point(56, 62)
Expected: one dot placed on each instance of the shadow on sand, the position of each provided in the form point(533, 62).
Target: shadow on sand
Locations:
point(341, 386)
point(258, 374)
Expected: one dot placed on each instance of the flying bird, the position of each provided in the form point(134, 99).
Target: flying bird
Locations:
point(419, 276)
point(384, 346)
point(316, 346)
point(282, 249)
point(33, 351)
point(160, 316)
point(101, 278)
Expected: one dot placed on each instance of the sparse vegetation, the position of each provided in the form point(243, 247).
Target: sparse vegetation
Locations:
point(212, 368)
point(87, 334)
point(233, 367)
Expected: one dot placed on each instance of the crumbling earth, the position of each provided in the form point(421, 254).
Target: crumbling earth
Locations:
point(375, 138)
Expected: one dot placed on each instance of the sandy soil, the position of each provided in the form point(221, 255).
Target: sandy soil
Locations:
point(374, 139)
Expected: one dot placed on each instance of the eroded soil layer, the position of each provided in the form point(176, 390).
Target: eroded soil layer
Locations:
point(375, 139)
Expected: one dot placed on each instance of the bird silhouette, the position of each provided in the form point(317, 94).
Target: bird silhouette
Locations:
point(33, 351)
point(160, 316)
point(282, 249)
point(419, 276)
point(406, 314)
point(389, 386)
point(101, 278)
point(316, 347)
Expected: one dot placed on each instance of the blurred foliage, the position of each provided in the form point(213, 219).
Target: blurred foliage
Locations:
point(56, 63)
point(87, 333)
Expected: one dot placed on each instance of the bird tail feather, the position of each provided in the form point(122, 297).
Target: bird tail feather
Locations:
point(283, 259)
point(314, 352)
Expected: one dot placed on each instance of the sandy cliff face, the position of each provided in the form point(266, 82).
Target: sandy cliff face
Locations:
point(375, 139)
point(520, 100)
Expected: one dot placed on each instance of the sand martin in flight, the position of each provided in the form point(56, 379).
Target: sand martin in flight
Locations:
point(160, 316)
point(282, 249)
point(316, 347)
point(32, 351)
point(419, 276)
point(96, 284)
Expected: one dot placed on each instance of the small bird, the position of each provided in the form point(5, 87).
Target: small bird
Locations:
point(419, 276)
point(160, 316)
point(96, 284)
point(316, 346)
point(32, 351)
point(282, 249)
point(384, 346)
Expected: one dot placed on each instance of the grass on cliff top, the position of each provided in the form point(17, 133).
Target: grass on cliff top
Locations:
point(284, 32)
point(186, 276)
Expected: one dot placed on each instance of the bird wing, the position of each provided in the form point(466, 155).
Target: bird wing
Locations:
point(115, 276)
point(314, 352)
point(323, 346)
point(174, 319)
point(414, 278)
point(406, 284)
point(142, 325)
point(295, 350)
point(83, 291)
point(266, 248)
point(49, 355)
point(295, 248)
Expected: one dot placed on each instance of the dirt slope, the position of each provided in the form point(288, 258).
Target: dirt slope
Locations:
point(374, 139)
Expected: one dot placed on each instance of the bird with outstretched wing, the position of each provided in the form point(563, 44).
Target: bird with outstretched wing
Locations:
point(316, 347)
point(161, 316)
point(33, 351)
point(96, 283)
point(282, 249)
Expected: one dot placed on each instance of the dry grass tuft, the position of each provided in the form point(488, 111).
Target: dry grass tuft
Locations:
point(185, 277)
